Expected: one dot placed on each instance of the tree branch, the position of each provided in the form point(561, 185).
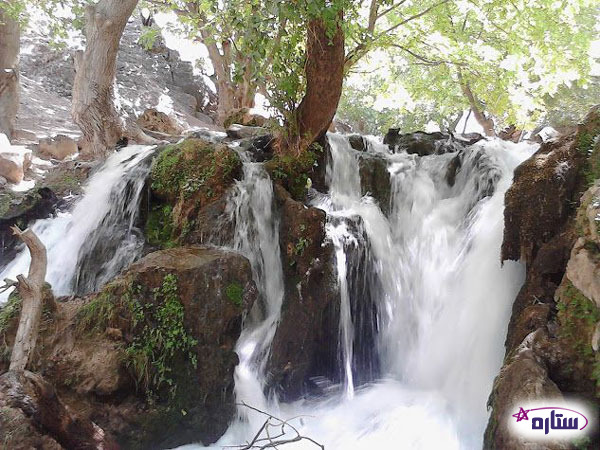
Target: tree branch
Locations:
point(274, 441)
point(413, 17)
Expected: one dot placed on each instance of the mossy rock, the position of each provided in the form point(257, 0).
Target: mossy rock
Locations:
point(185, 178)
point(194, 167)
point(577, 318)
point(293, 172)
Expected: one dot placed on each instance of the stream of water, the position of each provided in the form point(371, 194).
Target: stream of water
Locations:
point(430, 261)
point(92, 243)
point(443, 300)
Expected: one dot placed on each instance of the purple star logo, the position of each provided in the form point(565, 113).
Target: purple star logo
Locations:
point(522, 414)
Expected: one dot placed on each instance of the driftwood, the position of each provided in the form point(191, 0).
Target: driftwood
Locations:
point(274, 433)
point(30, 290)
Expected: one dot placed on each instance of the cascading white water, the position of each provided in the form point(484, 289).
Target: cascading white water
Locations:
point(256, 236)
point(443, 302)
point(97, 239)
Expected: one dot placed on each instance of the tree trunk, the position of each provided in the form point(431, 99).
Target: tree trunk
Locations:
point(487, 123)
point(93, 92)
point(30, 290)
point(9, 73)
point(324, 71)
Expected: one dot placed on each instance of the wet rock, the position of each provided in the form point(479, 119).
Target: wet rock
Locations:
point(216, 289)
point(244, 117)
point(58, 147)
point(539, 202)
point(550, 338)
point(189, 182)
point(375, 179)
point(158, 121)
point(259, 148)
point(305, 343)
point(421, 143)
point(469, 138)
point(337, 126)
point(523, 378)
point(34, 416)
point(511, 133)
point(10, 170)
point(357, 142)
point(237, 131)
point(151, 357)
point(22, 210)
point(453, 169)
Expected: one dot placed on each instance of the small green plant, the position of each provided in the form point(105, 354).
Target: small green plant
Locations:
point(301, 244)
point(578, 316)
point(159, 226)
point(235, 293)
point(160, 338)
point(293, 171)
point(148, 37)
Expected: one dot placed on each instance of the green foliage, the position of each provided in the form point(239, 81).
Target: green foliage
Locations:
point(293, 171)
point(235, 293)
point(9, 312)
point(160, 338)
point(588, 144)
point(98, 314)
point(15, 10)
point(578, 316)
point(148, 37)
point(516, 57)
point(159, 227)
point(301, 244)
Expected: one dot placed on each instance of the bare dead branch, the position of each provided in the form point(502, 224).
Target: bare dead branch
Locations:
point(263, 438)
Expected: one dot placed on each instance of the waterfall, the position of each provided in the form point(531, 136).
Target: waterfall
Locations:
point(98, 238)
point(429, 267)
point(256, 236)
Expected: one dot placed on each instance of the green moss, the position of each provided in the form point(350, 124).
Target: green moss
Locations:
point(235, 293)
point(159, 226)
point(160, 339)
point(577, 316)
point(588, 145)
point(155, 323)
point(293, 171)
point(10, 311)
point(8, 315)
point(193, 166)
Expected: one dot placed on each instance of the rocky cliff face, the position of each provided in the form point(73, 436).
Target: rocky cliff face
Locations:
point(552, 342)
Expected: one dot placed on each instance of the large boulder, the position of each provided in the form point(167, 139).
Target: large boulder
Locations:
point(57, 147)
point(189, 183)
point(10, 170)
point(243, 116)
point(196, 297)
point(22, 210)
point(158, 121)
point(150, 358)
point(305, 343)
point(421, 143)
point(375, 179)
point(237, 131)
